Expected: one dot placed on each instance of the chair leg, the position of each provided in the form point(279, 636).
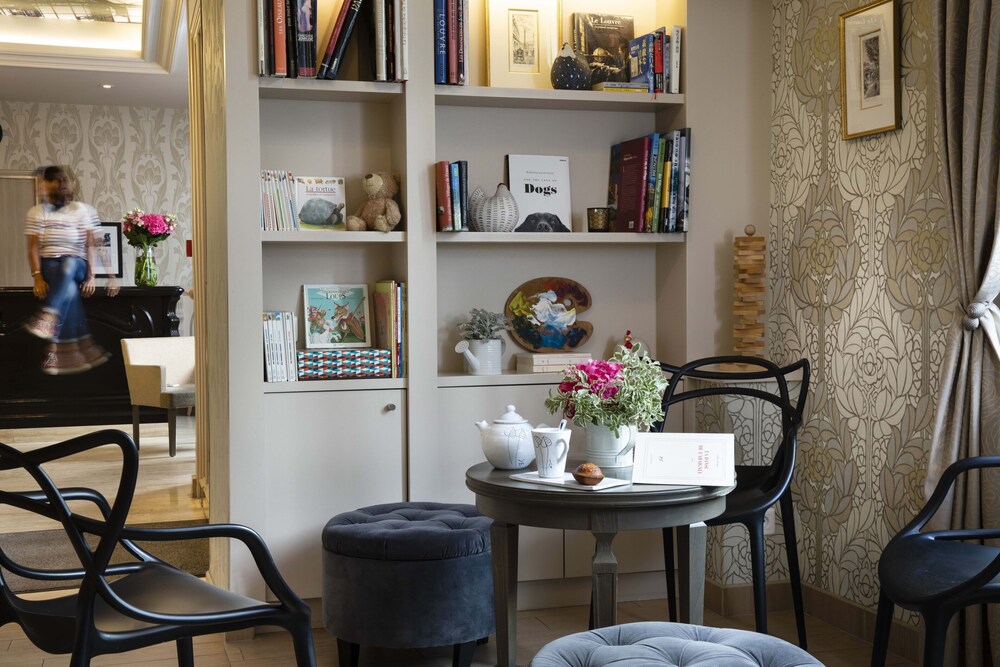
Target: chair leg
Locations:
point(305, 653)
point(348, 653)
point(883, 625)
point(669, 570)
point(461, 654)
point(758, 573)
point(172, 430)
point(80, 658)
point(185, 652)
point(935, 631)
point(135, 425)
point(792, 551)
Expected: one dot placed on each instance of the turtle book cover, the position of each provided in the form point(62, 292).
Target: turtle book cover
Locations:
point(321, 202)
point(602, 40)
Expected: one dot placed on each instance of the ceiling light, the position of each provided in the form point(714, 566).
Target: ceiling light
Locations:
point(107, 85)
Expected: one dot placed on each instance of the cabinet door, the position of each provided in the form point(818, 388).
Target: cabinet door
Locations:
point(459, 408)
point(327, 453)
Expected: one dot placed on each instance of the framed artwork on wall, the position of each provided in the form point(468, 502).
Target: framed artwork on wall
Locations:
point(869, 70)
point(336, 316)
point(522, 41)
point(110, 240)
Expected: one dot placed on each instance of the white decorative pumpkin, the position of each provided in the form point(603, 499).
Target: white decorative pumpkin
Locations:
point(492, 214)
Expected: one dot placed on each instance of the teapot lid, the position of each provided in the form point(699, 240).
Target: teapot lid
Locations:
point(510, 417)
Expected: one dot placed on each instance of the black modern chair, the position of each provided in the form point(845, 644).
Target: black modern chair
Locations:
point(758, 487)
point(146, 601)
point(936, 573)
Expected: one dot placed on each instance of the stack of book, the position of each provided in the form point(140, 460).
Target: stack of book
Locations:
point(451, 42)
point(279, 346)
point(389, 309)
point(648, 181)
point(654, 62)
point(288, 40)
point(553, 362)
point(451, 180)
point(292, 203)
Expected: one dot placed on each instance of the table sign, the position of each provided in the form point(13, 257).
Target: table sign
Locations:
point(705, 459)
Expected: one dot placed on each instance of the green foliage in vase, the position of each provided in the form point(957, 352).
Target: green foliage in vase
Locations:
point(483, 325)
point(626, 389)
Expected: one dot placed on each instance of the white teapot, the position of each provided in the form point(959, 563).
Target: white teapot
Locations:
point(507, 442)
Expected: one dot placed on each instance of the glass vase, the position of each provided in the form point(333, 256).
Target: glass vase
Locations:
point(146, 274)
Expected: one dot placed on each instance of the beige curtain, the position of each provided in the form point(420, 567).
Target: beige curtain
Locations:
point(968, 96)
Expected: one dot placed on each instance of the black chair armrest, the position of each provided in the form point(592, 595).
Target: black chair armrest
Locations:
point(964, 534)
point(944, 485)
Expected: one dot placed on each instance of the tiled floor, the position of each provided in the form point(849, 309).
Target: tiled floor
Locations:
point(829, 645)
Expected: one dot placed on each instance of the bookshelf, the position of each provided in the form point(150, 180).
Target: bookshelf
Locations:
point(272, 438)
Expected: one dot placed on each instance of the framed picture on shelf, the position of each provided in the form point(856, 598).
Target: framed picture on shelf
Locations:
point(336, 316)
point(522, 41)
point(110, 242)
point(869, 70)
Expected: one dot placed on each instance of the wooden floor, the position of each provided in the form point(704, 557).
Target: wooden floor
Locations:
point(535, 628)
point(163, 492)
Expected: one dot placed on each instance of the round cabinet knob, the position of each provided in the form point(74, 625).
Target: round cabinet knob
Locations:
point(390, 407)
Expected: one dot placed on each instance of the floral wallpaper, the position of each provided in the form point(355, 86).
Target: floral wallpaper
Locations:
point(124, 157)
point(859, 283)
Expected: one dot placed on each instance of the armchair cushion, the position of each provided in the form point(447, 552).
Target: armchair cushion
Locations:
point(160, 371)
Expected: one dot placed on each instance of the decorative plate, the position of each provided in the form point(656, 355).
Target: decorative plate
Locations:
point(544, 313)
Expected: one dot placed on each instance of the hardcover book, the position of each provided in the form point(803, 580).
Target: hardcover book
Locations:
point(541, 187)
point(305, 36)
point(602, 40)
point(632, 194)
point(702, 459)
point(320, 202)
point(442, 188)
point(384, 309)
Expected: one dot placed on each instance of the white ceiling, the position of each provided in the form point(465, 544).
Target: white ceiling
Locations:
point(155, 78)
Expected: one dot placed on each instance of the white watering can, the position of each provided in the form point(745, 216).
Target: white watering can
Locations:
point(482, 357)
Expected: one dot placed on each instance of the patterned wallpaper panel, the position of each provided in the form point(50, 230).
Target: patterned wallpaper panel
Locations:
point(124, 157)
point(858, 282)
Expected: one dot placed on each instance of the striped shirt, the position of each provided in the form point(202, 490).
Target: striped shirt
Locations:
point(62, 231)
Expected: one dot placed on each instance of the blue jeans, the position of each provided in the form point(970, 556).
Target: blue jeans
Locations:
point(64, 276)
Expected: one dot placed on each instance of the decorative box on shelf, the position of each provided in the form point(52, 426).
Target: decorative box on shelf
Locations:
point(341, 364)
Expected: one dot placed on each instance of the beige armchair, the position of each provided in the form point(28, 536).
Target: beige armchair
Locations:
point(160, 374)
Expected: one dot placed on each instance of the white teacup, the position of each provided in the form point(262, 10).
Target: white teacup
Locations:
point(551, 450)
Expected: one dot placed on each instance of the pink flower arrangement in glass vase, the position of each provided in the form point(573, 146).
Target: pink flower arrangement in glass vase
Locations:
point(147, 229)
point(626, 389)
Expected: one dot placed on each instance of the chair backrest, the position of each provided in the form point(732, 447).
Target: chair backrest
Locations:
point(174, 353)
point(751, 378)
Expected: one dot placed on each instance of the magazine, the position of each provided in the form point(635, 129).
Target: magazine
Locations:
point(540, 185)
point(321, 202)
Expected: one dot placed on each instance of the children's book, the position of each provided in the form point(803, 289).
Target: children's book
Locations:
point(320, 201)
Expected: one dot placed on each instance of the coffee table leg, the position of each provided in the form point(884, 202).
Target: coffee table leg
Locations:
point(504, 545)
point(691, 546)
point(605, 582)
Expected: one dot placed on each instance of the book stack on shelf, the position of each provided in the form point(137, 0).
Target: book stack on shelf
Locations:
point(288, 44)
point(648, 183)
point(451, 42)
point(451, 181)
point(553, 362)
point(293, 203)
point(654, 62)
point(339, 340)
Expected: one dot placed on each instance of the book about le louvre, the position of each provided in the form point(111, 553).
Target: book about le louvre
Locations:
point(540, 185)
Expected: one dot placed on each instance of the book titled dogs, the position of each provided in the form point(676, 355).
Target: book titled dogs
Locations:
point(540, 185)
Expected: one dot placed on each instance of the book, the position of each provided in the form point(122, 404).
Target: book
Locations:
point(278, 38)
point(602, 40)
point(320, 202)
point(654, 158)
point(684, 198)
point(380, 25)
point(659, 36)
point(384, 310)
point(305, 37)
point(288, 336)
point(641, 51)
point(614, 183)
point(540, 185)
point(620, 87)
point(291, 40)
point(675, 59)
point(263, 31)
point(658, 184)
point(461, 41)
point(331, 44)
point(702, 459)
point(442, 187)
point(674, 180)
point(350, 19)
point(632, 194)
point(452, 34)
point(402, 42)
point(440, 42)
point(463, 191)
point(548, 363)
point(454, 178)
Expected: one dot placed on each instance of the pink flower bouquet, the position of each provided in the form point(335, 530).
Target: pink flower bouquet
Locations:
point(147, 229)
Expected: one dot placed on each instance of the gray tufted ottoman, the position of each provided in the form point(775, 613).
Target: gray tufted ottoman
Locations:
point(408, 575)
point(675, 644)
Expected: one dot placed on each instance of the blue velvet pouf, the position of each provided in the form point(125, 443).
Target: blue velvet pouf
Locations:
point(408, 575)
point(675, 644)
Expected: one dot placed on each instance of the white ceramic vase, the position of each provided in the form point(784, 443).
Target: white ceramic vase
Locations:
point(613, 454)
point(489, 354)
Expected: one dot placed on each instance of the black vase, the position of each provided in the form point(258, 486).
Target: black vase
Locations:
point(570, 72)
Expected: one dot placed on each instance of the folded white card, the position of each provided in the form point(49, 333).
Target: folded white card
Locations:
point(704, 459)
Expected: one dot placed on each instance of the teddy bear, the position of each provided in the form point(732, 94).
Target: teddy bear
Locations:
point(381, 212)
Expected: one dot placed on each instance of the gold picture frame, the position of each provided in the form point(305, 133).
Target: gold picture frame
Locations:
point(869, 70)
point(522, 40)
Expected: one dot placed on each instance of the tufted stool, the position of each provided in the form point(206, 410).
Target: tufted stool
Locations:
point(408, 575)
point(675, 644)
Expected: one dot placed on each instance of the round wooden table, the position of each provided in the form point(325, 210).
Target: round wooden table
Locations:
point(511, 503)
